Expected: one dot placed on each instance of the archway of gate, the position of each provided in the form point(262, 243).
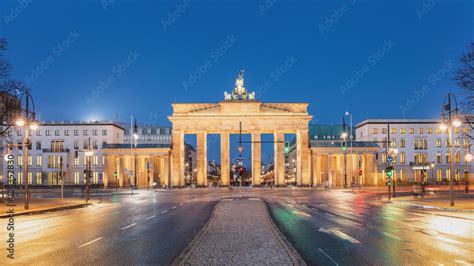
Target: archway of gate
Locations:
point(252, 118)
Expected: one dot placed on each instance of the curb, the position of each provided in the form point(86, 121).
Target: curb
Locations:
point(432, 207)
point(191, 247)
point(39, 211)
point(290, 250)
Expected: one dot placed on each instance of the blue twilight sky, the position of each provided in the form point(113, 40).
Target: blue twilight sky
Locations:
point(109, 59)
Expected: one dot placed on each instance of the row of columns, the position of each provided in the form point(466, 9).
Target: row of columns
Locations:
point(303, 155)
point(159, 170)
point(330, 167)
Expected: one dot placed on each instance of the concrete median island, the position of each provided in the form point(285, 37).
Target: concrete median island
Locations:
point(240, 232)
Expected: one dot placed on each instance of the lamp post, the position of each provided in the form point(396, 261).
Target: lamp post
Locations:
point(450, 119)
point(432, 166)
point(89, 153)
point(135, 143)
point(350, 140)
point(344, 144)
point(27, 121)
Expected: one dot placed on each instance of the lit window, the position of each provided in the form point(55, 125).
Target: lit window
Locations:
point(402, 158)
point(20, 160)
point(30, 178)
point(402, 130)
point(375, 131)
point(420, 130)
point(439, 143)
point(39, 179)
point(393, 131)
point(96, 160)
point(384, 158)
point(76, 178)
point(39, 160)
point(95, 178)
point(466, 130)
point(448, 158)
point(456, 130)
point(412, 131)
point(439, 175)
point(438, 130)
point(384, 131)
point(30, 160)
point(439, 158)
point(457, 157)
point(20, 178)
point(393, 143)
point(76, 161)
point(103, 160)
point(402, 143)
point(429, 130)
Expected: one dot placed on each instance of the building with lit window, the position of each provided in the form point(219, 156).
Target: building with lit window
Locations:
point(423, 148)
point(148, 134)
point(56, 145)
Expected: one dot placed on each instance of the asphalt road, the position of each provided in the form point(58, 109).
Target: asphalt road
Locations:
point(340, 228)
point(326, 227)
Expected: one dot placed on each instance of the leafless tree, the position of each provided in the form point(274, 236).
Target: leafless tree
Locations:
point(464, 78)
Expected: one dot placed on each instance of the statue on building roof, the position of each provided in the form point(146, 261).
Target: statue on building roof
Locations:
point(239, 92)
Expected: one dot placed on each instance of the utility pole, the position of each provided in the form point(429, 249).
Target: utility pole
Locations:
point(62, 176)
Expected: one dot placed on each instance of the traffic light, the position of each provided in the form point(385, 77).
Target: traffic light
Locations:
point(344, 145)
point(389, 171)
point(287, 146)
point(360, 172)
point(115, 174)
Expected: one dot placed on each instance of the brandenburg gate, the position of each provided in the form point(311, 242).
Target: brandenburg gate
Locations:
point(224, 118)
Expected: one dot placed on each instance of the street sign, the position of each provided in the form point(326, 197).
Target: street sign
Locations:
point(389, 159)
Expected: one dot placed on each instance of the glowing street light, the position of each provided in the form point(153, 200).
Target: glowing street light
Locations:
point(457, 122)
point(468, 157)
point(20, 122)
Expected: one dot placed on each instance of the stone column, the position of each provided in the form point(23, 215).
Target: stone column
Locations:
point(370, 170)
point(225, 159)
point(256, 158)
point(303, 176)
point(177, 170)
point(279, 171)
point(201, 159)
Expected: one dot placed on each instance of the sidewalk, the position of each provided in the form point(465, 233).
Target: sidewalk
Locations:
point(41, 205)
point(240, 232)
point(462, 202)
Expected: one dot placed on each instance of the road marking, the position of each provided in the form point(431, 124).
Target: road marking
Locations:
point(181, 204)
point(462, 262)
point(346, 237)
point(340, 235)
point(332, 215)
point(354, 222)
point(449, 240)
point(132, 208)
point(325, 254)
point(302, 213)
point(314, 209)
point(128, 226)
point(90, 242)
point(174, 207)
point(392, 236)
point(164, 211)
point(151, 217)
point(227, 199)
point(254, 199)
point(116, 213)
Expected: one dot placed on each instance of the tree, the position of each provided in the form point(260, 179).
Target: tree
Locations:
point(10, 87)
point(464, 78)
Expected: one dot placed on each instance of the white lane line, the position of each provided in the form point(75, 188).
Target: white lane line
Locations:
point(449, 240)
point(151, 217)
point(340, 234)
point(90, 242)
point(227, 199)
point(181, 204)
point(132, 208)
point(302, 213)
point(254, 199)
point(353, 222)
point(128, 226)
point(164, 211)
point(332, 215)
point(345, 237)
point(174, 207)
point(392, 236)
point(314, 209)
point(116, 213)
point(329, 257)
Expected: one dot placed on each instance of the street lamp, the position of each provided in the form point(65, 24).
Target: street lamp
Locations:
point(135, 143)
point(89, 153)
point(27, 121)
point(450, 119)
point(351, 139)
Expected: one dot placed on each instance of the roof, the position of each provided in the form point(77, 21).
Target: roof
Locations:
point(327, 132)
point(397, 121)
point(139, 146)
point(336, 144)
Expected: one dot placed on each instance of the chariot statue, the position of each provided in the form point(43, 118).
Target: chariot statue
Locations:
point(239, 92)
